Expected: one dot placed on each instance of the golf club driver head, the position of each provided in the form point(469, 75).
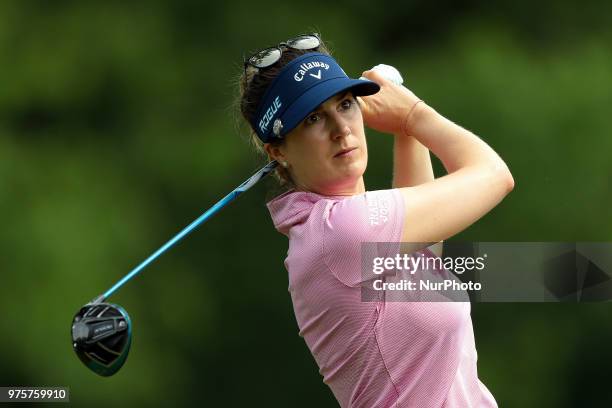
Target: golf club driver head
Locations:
point(101, 337)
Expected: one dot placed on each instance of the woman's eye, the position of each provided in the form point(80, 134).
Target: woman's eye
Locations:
point(312, 118)
point(347, 103)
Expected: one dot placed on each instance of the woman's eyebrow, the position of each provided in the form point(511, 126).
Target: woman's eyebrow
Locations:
point(343, 95)
point(335, 99)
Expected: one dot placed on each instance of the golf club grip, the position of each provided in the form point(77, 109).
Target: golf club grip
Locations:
point(250, 182)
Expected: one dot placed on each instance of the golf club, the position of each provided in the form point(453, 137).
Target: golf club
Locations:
point(102, 332)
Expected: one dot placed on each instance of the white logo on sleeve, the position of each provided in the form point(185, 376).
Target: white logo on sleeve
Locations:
point(378, 209)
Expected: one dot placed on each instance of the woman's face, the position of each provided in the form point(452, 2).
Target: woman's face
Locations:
point(327, 153)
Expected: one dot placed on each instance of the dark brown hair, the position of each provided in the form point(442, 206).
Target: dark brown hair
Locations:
point(253, 85)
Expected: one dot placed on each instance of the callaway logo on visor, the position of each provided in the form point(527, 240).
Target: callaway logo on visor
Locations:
point(304, 68)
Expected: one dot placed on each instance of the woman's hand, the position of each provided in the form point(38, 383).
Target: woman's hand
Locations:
point(390, 110)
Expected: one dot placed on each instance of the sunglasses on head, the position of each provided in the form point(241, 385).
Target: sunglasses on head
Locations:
point(270, 56)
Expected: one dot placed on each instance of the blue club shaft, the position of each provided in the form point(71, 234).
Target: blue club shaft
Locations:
point(251, 181)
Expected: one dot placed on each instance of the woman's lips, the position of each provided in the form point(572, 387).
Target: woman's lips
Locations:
point(345, 152)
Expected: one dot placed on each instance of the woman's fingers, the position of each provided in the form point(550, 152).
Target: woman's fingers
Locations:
point(376, 76)
point(386, 110)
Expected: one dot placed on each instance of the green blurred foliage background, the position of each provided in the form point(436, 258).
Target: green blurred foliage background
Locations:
point(117, 128)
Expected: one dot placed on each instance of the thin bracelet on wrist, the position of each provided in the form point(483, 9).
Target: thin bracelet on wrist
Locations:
point(407, 119)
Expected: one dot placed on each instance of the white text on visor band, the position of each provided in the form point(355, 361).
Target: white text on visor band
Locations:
point(269, 115)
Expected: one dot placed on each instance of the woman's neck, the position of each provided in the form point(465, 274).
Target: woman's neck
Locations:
point(357, 187)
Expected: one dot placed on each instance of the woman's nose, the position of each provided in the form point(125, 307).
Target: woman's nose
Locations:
point(341, 128)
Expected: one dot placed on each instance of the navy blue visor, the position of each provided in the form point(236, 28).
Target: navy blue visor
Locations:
point(301, 86)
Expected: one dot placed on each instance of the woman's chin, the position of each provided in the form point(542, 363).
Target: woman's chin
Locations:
point(351, 163)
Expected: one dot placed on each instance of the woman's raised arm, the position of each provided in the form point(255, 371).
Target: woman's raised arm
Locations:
point(478, 178)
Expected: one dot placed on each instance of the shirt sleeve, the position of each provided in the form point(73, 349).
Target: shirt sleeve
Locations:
point(359, 228)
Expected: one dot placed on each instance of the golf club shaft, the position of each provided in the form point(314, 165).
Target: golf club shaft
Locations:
point(251, 181)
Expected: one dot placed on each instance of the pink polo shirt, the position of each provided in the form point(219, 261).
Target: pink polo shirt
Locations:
point(371, 354)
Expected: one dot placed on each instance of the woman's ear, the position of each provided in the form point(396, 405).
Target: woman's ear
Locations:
point(275, 153)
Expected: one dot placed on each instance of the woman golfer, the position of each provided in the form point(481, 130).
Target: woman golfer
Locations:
point(304, 112)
